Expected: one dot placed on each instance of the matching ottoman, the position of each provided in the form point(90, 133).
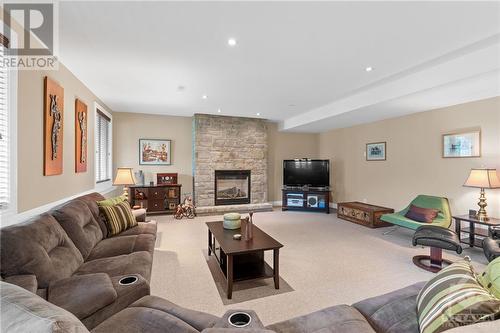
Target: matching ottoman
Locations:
point(437, 238)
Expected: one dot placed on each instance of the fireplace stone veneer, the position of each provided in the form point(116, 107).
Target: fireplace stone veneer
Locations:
point(228, 143)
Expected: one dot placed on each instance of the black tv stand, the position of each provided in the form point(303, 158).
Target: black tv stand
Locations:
point(306, 199)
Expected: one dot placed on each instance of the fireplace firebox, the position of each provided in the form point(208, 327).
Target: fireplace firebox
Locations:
point(232, 187)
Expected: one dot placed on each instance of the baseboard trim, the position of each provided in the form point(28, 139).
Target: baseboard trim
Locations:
point(23, 216)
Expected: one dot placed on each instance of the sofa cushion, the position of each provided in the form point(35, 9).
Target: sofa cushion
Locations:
point(22, 311)
point(454, 298)
point(79, 223)
point(118, 217)
point(115, 246)
point(138, 319)
point(490, 278)
point(198, 320)
point(39, 247)
point(141, 228)
point(126, 295)
point(421, 214)
point(91, 202)
point(338, 319)
point(134, 263)
point(82, 295)
point(112, 201)
point(392, 312)
point(26, 281)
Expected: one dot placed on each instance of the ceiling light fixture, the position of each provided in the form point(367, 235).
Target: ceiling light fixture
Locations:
point(204, 96)
point(368, 69)
point(219, 110)
point(231, 42)
point(258, 113)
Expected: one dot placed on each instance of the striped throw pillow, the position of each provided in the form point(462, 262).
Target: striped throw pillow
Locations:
point(454, 298)
point(118, 217)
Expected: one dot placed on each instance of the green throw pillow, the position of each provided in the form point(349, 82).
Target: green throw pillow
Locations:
point(490, 279)
point(118, 217)
point(454, 298)
point(112, 201)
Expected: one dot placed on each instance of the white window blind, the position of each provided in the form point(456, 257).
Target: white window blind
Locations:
point(4, 137)
point(103, 147)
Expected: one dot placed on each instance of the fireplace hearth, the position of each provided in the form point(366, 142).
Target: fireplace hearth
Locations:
point(232, 187)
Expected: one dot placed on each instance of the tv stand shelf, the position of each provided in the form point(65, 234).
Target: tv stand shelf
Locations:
point(310, 199)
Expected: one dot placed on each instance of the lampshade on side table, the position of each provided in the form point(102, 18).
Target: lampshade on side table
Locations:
point(482, 178)
point(125, 177)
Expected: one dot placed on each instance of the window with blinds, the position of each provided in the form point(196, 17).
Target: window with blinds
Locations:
point(103, 147)
point(5, 182)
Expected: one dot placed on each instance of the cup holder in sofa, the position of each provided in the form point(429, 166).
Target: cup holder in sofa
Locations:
point(128, 280)
point(240, 319)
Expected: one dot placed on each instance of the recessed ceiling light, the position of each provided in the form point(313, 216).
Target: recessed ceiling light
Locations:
point(204, 96)
point(219, 110)
point(368, 69)
point(181, 88)
point(258, 113)
point(231, 42)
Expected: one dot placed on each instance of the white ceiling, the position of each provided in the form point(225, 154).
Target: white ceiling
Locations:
point(299, 63)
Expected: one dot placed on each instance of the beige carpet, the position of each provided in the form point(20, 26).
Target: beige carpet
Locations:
point(325, 260)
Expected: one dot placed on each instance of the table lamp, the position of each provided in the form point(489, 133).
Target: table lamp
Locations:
point(482, 178)
point(125, 177)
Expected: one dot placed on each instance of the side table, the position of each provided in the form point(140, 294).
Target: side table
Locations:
point(476, 235)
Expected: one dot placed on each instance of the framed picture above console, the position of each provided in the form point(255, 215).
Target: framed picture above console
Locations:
point(154, 152)
point(376, 151)
point(166, 178)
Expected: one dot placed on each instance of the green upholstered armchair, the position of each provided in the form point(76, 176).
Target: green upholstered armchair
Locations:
point(426, 201)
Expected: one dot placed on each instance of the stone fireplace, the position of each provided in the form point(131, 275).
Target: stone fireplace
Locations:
point(234, 148)
point(232, 187)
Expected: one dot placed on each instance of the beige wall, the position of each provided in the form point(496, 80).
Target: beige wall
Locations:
point(35, 189)
point(414, 164)
point(128, 128)
point(282, 146)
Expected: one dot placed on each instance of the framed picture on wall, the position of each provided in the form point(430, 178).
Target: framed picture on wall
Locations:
point(462, 144)
point(154, 152)
point(376, 151)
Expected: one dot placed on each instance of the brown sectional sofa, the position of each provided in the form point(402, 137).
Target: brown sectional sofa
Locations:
point(66, 257)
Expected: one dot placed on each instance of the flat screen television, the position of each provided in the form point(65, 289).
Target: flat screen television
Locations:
point(305, 172)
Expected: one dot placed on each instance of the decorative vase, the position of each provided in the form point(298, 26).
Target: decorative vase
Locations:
point(249, 227)
point(232, 221)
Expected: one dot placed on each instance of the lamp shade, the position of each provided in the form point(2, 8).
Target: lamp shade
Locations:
point(483, 178)
point(124, 176)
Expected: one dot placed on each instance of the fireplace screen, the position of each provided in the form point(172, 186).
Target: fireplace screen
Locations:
point(232, 187)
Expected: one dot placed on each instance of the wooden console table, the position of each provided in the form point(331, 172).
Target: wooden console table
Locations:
point(476, 236)
point(159, 199)
point(363, 213)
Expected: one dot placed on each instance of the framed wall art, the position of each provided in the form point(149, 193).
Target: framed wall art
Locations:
point(462, 144)
point(53, 123)
point(81, 137)
point(376, 151)
point(154, 152)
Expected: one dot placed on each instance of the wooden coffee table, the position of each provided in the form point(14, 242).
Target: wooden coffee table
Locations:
point(242, 260)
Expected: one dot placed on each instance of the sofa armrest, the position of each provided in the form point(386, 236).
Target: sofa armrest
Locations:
point(28, 282)
point(495, 232)
point(82, 295)
point(198, 320)
point(139, 214)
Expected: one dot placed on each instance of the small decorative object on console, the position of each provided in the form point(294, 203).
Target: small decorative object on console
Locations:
point(186, 209)
point(249, 227)
point(166, 178)
point(232, 221)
